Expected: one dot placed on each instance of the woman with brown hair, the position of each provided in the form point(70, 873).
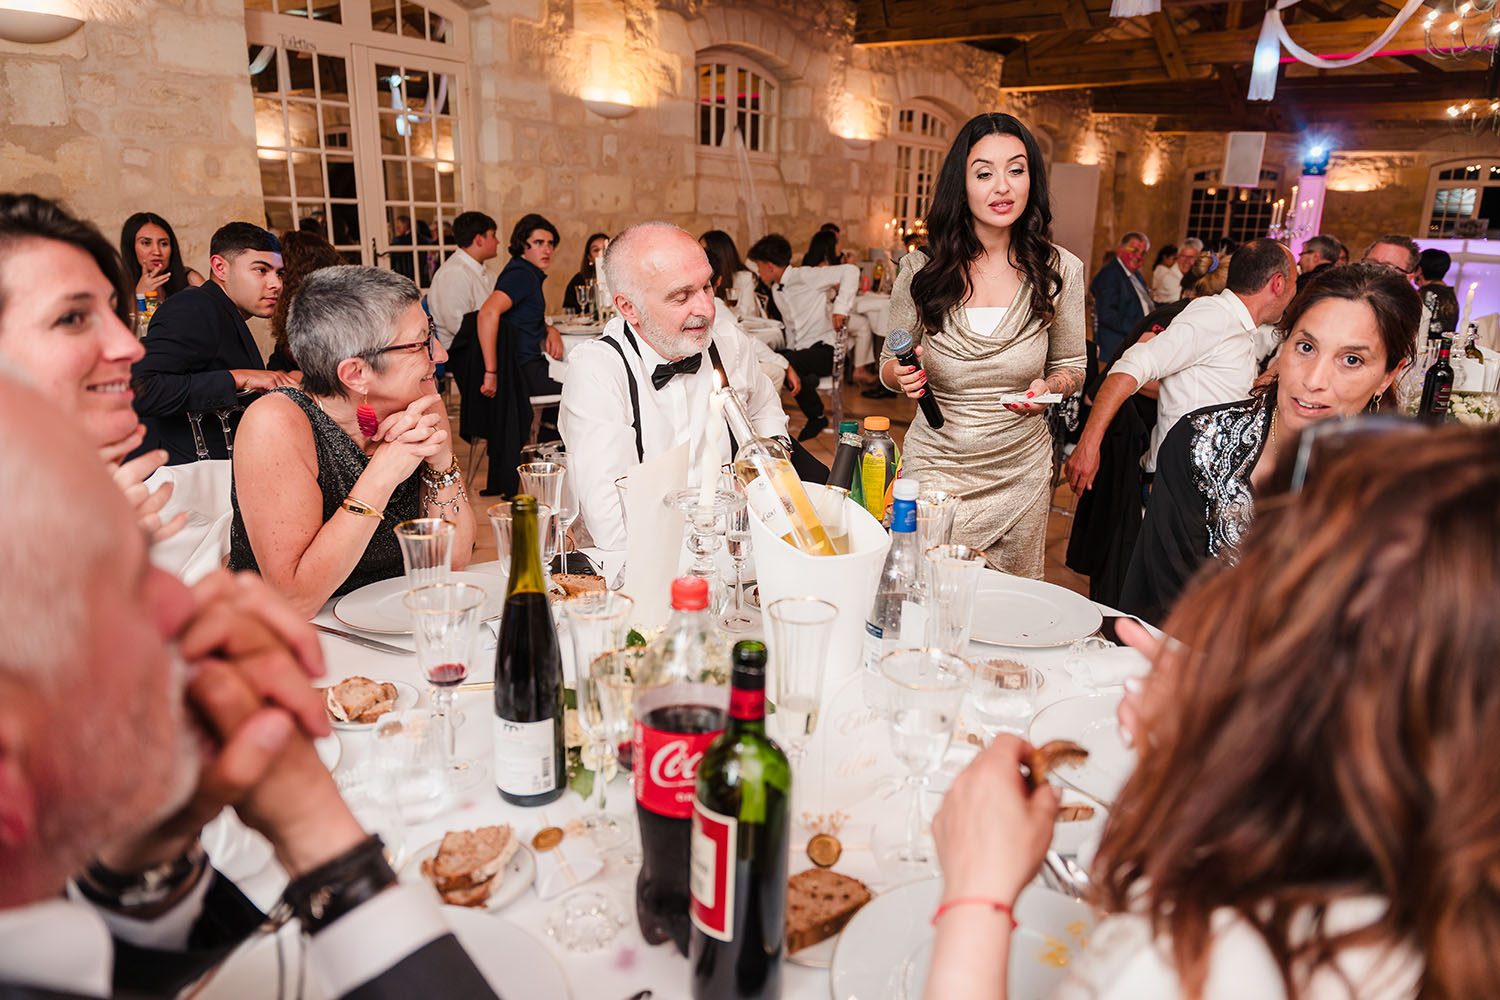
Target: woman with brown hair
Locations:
point(1345, 339)
point(1312, 814)
point(302, 253)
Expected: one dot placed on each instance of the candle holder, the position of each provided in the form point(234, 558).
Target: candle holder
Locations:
point(707, 517)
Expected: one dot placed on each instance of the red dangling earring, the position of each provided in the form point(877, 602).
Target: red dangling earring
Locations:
point(364, 415)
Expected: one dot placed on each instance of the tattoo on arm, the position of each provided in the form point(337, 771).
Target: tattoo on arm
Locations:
point(1066, 382)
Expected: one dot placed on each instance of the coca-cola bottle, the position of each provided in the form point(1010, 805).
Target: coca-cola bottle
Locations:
point(680, 703)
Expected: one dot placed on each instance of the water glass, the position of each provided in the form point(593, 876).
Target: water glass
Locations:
point(499, 515)
point(952, 578)
point(935, 510)
point(612, 677)
point(797, 634)
point(426, 549)
point(445, 621)
point(597, 622)
point(410, 754)
point(367, 792)
point(1077, 661)
point(925, 692)
point(1003, 696)
point(544, 480)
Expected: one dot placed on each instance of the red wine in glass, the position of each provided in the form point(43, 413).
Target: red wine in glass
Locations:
point(447, 674)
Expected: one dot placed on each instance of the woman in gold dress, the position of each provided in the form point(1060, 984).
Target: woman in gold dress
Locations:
point(997, 309)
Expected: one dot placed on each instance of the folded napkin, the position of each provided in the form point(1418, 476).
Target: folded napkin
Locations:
point(1112, 667)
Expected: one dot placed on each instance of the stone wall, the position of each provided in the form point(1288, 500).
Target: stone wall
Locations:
point(147, 107)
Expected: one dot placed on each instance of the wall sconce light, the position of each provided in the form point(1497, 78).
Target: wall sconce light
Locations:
point(607, 103)
point(28, 22)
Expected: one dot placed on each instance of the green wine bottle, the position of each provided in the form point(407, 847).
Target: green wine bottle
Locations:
point(741, 823)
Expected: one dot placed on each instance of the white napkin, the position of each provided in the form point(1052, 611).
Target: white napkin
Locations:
point(572, 862)
point(654, 535)
point(1110, 667)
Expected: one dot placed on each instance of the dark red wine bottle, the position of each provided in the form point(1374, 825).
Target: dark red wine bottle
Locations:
point(741, 821)
point(530, 761)
point(1437, 387)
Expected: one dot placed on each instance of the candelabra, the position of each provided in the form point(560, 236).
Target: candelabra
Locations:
point(1294, 224)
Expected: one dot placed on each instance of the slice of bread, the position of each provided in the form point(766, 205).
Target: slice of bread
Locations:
point(819, 902)
point(468, 858)
point(574, 584)
point(360, 700)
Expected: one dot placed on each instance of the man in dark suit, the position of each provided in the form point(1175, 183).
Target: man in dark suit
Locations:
point(1121, 296)
point(1317, 253)
point(199, 351)
point(132, 711)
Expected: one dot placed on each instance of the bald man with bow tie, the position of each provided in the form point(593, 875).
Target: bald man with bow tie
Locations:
point(642, 388)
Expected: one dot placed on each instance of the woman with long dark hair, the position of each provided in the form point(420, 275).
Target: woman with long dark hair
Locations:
point(153, 258)
point(822, 250)
point(593, 248)
point(733, 282)
point(1312, 813)
point(1345, 340)
point(997, 309)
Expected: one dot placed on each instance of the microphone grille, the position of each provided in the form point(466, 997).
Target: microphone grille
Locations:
point(898, 340)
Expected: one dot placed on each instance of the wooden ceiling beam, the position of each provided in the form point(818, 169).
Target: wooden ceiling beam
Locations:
point(1373, 92)
point(1167, 48)
point(1103, 64)
point(905, 22)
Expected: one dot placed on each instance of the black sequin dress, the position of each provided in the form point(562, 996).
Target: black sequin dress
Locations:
point(340, 464)
point(1201, 503)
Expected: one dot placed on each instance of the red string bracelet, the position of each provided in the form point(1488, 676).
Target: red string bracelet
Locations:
point(993, 904)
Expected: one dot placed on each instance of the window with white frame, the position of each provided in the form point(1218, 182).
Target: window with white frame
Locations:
point(1464, 200)
point(922, 135)
point(1242, 214)
point(735, 93)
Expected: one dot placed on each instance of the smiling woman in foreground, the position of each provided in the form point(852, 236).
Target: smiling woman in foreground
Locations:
point(1312, 814)
point(323, 473)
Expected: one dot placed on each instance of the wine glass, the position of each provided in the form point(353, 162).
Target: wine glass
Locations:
point(445, 620)
point(613, 674)
point(426, 550)
point(1003, 696)
point(925, 692)
point(499, 515)
point(737, 542)
point(585, 293)
point(544, 480)
point(800, 628)
point(952, 577)
point(597, 622)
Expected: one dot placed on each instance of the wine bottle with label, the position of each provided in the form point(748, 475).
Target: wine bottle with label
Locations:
point(1438, 386)
point(772, 486)
point(530, 766)
point(741, 821)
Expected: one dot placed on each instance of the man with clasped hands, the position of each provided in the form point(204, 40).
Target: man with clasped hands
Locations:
point(132, 711)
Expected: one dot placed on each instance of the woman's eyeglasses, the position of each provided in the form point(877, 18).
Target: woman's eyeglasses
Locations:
point(398, 348)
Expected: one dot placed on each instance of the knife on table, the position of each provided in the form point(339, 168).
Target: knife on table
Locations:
point(359, 640)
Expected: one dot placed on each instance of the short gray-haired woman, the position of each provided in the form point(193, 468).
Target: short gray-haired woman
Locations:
point(323, 473)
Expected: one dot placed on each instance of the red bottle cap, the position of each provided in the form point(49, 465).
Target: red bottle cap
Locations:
point(690, 593)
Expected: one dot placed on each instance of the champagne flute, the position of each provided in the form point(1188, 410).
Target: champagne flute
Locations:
point(445, 620)
point(737, 542)
point(597, 622)
point(613, 674)
point(800, 628)
point(567, 510)
point(952, 577)
point(925, 692)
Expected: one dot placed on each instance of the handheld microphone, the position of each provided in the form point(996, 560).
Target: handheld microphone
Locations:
point(900, 343)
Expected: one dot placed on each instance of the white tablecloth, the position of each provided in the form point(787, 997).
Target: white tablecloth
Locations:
point(558, 368)
point(859, 776)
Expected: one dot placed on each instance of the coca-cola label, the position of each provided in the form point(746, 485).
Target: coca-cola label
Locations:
point(711, 881)
point(666, 769)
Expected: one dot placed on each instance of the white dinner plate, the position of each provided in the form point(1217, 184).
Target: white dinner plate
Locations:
point(381, 607)
point(406, 697)
point(884, 952)
point(1088, 720)
point(519, 873)
point(513, 961)
point(1030, 614)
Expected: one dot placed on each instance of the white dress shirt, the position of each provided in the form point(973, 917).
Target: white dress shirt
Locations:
point(460, 286)
point(746, 302)
point(596, 420)
point(802, 297)
point(1205, 357)
point(772, 365)
point(1166, 284)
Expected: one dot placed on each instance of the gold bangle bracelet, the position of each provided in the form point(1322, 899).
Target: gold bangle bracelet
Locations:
point(359, 508)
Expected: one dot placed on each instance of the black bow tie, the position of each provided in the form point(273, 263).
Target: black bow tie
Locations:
point(682, 366)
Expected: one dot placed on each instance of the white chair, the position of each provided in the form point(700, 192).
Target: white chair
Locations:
point(202, 490)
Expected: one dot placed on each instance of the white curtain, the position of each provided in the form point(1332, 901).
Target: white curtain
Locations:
point(1274, 37)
